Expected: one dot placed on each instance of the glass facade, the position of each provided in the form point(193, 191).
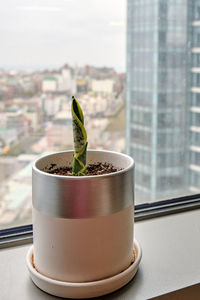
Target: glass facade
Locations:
point(157, 67)
point(193, 103)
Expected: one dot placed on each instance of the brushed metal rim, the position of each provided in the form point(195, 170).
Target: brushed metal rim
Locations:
point(85, 196)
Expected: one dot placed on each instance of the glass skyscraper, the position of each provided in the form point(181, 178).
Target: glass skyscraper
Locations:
point(159, 92)
point(193, 104)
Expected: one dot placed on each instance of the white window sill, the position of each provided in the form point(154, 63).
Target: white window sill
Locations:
point(170, 262)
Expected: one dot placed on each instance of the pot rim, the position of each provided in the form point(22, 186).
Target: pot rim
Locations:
point(132, 164)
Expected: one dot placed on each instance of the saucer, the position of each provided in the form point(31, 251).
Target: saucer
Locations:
point(81, 290)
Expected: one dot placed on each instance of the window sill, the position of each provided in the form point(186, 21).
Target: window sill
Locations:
point(170, 262)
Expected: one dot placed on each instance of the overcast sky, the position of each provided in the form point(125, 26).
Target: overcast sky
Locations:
point(37, 33)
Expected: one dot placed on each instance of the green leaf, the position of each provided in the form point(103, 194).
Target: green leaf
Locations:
point(80, 140)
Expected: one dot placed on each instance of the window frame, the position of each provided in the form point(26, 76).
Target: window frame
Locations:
point(22, 235)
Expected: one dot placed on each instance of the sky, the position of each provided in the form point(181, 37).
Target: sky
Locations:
point(48, 33)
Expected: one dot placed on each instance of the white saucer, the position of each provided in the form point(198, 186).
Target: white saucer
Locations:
point(84, 289)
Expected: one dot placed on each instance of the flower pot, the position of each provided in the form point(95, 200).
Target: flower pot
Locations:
point(83, 226)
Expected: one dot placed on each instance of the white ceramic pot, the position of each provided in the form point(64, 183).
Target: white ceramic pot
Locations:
point(83, 226)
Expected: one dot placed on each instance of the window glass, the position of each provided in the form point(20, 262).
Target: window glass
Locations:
point(172, 137)
point(51, 50)
point(135, 68)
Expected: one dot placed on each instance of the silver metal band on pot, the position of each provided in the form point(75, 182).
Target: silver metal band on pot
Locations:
point(82, 197)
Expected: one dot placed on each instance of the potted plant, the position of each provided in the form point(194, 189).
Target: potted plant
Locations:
point(82, 219)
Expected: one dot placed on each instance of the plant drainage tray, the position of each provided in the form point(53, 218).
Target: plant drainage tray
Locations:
point(84, 289)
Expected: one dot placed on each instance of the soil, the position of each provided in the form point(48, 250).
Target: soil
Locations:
point(92, 169)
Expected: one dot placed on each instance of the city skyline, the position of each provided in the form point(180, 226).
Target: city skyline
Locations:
point(35, 118)
point(50, 68)
point(161, 90)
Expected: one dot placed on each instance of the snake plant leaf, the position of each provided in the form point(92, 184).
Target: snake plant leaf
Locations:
point(80, 140)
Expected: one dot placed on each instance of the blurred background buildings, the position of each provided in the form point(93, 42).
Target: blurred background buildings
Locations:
point(163, 112)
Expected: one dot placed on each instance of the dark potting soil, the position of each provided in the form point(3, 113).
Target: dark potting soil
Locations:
point(92, 169)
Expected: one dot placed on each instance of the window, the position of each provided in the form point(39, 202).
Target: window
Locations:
point(51, 50)
point(133, 65)
point(162, 38)
point(172, 137)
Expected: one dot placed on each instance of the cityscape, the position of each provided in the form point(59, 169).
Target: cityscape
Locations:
point(35, 119)
point(150, 111)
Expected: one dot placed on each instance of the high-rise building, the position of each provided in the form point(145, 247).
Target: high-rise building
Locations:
point(193, 104)
point(157, 96)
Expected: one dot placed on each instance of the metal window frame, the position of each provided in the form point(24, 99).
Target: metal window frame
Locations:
point(167, 207)
point(16, 236)
point(24, 234)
